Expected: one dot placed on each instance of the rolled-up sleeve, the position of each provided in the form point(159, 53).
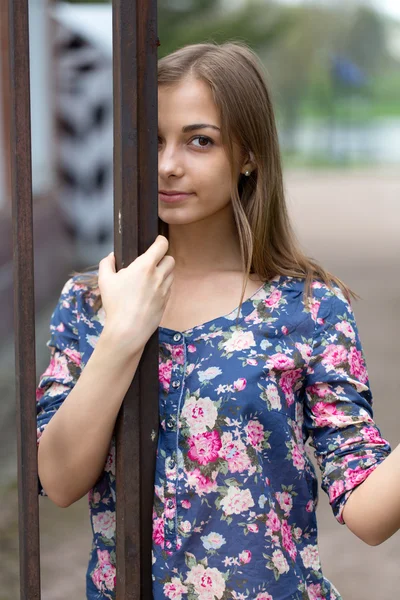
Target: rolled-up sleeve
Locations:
point(338, 403)
point(64, 368)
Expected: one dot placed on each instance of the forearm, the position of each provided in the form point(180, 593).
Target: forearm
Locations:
point(372, 512)
point(74, 445)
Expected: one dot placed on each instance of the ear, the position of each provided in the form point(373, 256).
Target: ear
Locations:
point(250, 163)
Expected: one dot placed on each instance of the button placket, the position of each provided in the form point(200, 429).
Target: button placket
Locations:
point(171, 438)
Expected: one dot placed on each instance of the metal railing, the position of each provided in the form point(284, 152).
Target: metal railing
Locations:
point(135, 229)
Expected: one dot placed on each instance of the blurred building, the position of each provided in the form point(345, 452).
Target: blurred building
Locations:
point(71, 122)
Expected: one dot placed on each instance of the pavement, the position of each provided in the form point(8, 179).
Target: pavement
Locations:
point(350, 222)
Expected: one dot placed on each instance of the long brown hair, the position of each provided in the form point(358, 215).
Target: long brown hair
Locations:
point(268, 244)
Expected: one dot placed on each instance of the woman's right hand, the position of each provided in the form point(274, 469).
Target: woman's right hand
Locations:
point(134, 299)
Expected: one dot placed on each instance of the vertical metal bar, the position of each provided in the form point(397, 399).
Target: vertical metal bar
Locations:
point(24, 306)
point(135, 229)
point(5, 100)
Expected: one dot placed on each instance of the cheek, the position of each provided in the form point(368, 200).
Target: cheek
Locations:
point(214, 181)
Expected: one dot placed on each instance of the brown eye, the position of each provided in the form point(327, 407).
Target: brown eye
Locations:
point(204, 141)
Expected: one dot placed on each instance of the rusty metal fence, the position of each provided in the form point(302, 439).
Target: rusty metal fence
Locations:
point(135, 229)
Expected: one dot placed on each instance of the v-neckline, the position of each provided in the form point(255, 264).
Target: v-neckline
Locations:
point(267, 284)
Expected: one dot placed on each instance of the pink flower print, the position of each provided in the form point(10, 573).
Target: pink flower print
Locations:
point(310, 506)
point(255, 434)
point(314, 592)
point(356, 476)
point(105, 572)
point(310, 557)
point(164, 373)
point(200, 414)
point(253, 317)
point(314, 305)
point(158, 532)
point(287, 540)
point(252, 527)
point(280, 562)
point(202, 484)
point(190, 367)
point(336, 489)
point(60, 327)
point(245, 557)
point(272, 393)
point(272, 302)
point(357, 365)
point(345, 328)
point(58, 368)
point(252, 361)
point(284, 330)
point(288, 379)
point(298, 458)
point(240, 384)
point(186, 526)
point(204, 447)
point(285, 501)
point(264, 596)
point(371, 434)
point(236, 501)
point(273, 521)
point(177, 354)
point(104, 524)
point(280, 362)
point(74, 356)
point(305, 350)
point(191, 348)
point(208, 583)
point(234, 451)
point(186, 504)
point(239, 340)
point(110, 462)
point(327, 414)
point(334, 355)
point(174, 589)
point(297, 533)
point(320, 389)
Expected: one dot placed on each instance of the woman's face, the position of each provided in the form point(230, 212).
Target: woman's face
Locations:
point(191, 161)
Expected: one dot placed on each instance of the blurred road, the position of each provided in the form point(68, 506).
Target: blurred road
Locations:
point(350, 222)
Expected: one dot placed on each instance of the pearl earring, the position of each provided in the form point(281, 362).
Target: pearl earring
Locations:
point(247, 173)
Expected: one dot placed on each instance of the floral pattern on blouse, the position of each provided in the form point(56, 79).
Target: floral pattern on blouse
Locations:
point(234, 514)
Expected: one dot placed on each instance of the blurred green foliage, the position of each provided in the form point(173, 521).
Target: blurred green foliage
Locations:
point(297, 45)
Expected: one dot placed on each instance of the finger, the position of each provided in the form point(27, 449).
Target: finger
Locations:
point(166, 265)
point(168, 281)
point(157, 250)
point(107, 265)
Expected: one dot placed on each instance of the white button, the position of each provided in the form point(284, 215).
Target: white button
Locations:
point(177, 337)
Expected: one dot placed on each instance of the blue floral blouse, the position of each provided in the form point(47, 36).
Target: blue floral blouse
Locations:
point(235, 491)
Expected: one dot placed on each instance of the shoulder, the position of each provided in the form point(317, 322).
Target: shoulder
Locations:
point(79, 292)
point(320, 299)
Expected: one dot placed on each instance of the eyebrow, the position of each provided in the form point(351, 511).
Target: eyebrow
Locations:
point(196, 126)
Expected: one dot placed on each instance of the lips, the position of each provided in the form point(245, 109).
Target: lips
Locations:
point(173, 193)
point(172, 196)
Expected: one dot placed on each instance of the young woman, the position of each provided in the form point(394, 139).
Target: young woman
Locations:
point(246, 374)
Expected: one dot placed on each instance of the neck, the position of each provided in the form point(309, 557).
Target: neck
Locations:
point(206, 246)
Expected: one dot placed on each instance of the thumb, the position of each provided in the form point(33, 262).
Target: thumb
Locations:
point(107, 264)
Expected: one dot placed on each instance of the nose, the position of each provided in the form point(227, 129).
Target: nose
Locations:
point(169, 163)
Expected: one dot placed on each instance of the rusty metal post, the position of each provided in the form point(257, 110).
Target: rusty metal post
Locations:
point(24, 305)
point(135, 229)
